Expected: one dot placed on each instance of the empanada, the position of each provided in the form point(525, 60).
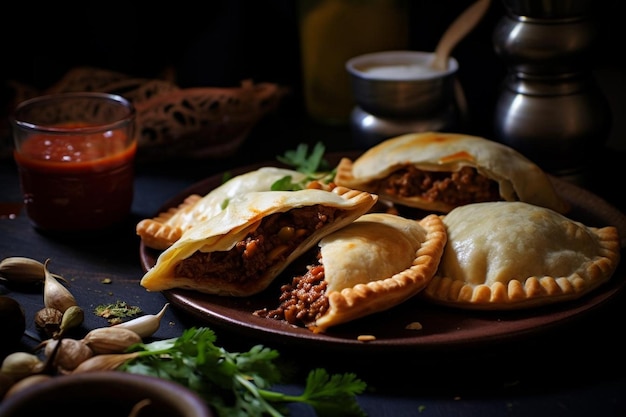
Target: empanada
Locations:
point(163, 230)
point(512, 255)
point(439, 171)
point(240, 250)
point(371, 265)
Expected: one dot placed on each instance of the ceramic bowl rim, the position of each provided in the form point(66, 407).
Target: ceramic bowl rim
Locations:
point(398, 57)
point(185, 401)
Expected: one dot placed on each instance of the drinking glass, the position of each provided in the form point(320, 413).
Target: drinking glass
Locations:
point(75, 155)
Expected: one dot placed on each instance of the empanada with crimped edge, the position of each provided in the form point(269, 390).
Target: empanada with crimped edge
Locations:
point(514, 255)
point(376, 263)
point(240, 250)
point(163, 230)
point(436, 171)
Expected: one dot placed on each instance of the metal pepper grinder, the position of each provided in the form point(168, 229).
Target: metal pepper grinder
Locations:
point(550, 108)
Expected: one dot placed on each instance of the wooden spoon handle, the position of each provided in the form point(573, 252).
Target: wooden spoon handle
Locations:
point(460, 27)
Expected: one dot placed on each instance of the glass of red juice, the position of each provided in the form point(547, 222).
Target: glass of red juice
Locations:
point(75, 154)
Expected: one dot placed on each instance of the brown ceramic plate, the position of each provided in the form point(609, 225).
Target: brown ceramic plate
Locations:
point(442, 327)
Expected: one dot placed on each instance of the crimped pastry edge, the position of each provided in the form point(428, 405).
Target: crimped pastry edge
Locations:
point(158, 232)
point(364, 299)
point(534, 291)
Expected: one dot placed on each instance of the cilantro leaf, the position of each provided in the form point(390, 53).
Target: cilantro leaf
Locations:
point(286, 184)
point(331, 395)
point(314, 165)
point(300, 160)
point(238, 384)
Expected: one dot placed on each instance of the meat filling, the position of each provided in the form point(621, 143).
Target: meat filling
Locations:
point(272, 242)
point(303, 300)
point(454, 188)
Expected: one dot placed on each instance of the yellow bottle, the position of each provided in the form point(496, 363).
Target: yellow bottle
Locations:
point(333, 31)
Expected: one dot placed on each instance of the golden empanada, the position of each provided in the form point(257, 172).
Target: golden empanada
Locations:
point(368, 266)
point(436, 171)
point(512, 255)
point(163, 230)
point(240, 250)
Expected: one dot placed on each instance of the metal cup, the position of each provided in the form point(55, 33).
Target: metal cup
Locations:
point(397, 92)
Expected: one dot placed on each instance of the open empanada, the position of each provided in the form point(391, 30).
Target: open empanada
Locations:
point(512, 255)
point(240, 250)
point(436, 171)
point(373, 264)
point(163, 230)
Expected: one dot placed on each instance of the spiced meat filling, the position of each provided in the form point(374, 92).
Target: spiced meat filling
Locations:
point(276, 237)
point(303, 300)
point(454, 188)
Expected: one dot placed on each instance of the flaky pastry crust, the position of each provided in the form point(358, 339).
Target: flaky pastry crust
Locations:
point(223, 231)
point(167, 227)
point(513, 255)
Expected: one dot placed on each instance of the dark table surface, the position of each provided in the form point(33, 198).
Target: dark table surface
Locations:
point(573, 369)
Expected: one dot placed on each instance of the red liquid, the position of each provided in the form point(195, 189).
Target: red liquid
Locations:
point(69, 184)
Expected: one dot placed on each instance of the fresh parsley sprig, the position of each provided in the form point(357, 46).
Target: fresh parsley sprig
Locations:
point(313, 164)
point(238, 384)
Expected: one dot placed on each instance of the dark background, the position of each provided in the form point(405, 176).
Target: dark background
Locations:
point(221, 42)
point(579, 371)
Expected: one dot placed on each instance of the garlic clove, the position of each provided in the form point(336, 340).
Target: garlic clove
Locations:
point(146, 325)
point(23, 270)
point(111, 339)
point(69, 354)
point(55, 295)
point(104, 362)
point(73, 317)
point(19, 365)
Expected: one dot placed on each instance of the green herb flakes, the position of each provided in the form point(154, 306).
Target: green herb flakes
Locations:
point(114, 313)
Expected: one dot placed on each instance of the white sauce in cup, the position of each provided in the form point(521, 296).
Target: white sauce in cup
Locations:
point(401, 72)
